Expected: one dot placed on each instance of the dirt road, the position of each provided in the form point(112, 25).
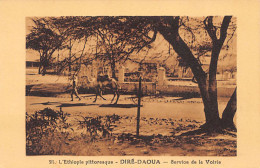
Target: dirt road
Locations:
point(153, 107)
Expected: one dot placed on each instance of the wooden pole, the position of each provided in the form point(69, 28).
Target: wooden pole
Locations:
point(70, 58)
point(139, 106)
point(58, 57)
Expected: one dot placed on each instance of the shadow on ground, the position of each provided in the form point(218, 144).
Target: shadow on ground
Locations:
point(59, 104)
point(47, 103)
point(76, 104)
point(120, 105)
point(88, 96)
point(185, 98)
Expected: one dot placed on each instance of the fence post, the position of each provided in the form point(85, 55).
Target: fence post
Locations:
point(161, 76)
point(139, 95)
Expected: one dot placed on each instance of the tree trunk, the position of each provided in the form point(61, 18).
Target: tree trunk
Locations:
point(181, 48)
point(216, 49)
point(43, 71)
point(70, 58)
point(44, 65)
point(208, 91)
point(229, 112)
point(212, 87)
point(113, 68)
point(57, 64)
point(39, 69)
point(210, 109)
point(40, 65)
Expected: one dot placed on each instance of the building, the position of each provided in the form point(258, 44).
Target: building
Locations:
point(32, 59)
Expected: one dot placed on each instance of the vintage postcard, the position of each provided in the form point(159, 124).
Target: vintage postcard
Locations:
point(91, 84)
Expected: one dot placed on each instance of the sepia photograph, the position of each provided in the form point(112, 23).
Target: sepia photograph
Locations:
point(131, 85)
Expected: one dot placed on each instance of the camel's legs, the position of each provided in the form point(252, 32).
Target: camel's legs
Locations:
point(98, 93)
point(113, 97)
point(101, 95)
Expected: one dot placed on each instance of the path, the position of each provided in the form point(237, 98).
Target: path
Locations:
point(167, 107)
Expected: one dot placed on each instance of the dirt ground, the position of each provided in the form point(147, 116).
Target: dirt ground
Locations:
point(163, 120)
point(163, 124)
point(153, 107)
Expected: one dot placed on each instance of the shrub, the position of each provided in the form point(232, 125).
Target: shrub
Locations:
point(43, 129)
point(98, 127)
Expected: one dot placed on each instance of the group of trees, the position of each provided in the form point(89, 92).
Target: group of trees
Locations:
point(116, 38)
point(44, 40)
point(119, 37)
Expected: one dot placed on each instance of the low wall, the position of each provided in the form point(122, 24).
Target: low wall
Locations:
point(148, 88)
point(178, 90)
point(192, 91)
point(132, 87)
point(47, 90)
point(173, 90)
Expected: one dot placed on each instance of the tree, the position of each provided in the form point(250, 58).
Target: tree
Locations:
point(169, 28)
point(122, 36)
point(118, 38)
point(75, 31)
point(44, 39)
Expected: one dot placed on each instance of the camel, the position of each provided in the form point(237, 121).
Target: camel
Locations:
point(105, 82)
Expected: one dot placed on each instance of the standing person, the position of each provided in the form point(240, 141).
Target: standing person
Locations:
point(74, 89)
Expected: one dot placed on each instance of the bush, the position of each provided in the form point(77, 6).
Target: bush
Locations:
point(98, 127)
point(44, 128)
point(48, 133)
